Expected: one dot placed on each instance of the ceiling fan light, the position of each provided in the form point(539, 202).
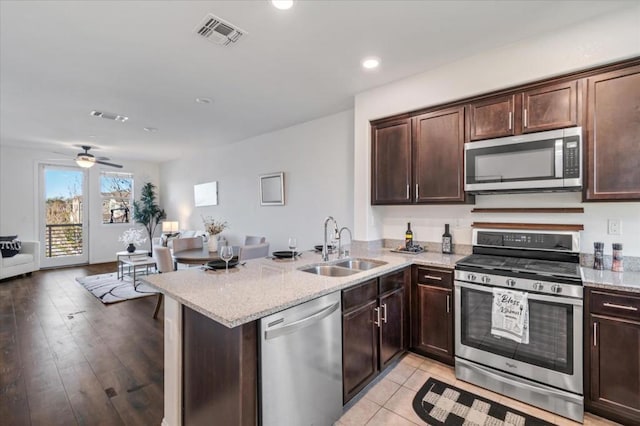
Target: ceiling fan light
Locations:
point(85, 162)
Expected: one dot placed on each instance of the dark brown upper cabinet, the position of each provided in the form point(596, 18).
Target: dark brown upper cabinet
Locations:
point(419, 159)
point(438, 152)
point(550, 107)
point(391, 162)
point(613, 136)
point(546, 107)
point(492, 118)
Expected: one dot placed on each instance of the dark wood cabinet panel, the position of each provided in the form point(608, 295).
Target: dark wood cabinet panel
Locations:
point(220, 377)
point(612, 356)
point(391, 162)
point(374, 332)
point(438, 152)
point(613, 136)
point(434, 335)
point(550, 107)
point(432, 314)
point(360, 349)
point(492, 118)
point(392, 327)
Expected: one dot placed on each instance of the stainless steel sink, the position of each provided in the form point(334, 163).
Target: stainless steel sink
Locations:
point(330, 271)
point(344, 267)
point(360, 264)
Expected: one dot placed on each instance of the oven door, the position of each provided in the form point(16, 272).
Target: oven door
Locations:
point(536, 161)
point(553, 355)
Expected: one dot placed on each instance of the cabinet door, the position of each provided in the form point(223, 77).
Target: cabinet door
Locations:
point(438, 152)
point(613, 136)
point(391, 162)
point(392, 326)
point(434, 333)
point(492, 118)
point(359, 349)
point(615, 368)
point(550, 107)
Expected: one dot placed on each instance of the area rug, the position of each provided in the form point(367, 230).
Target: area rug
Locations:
point(438, 403)
point(109, 289)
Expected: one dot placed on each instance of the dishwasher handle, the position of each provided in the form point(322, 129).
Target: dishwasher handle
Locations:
point(301, 323)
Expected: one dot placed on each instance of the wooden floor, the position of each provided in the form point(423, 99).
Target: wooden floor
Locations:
point(66, 359)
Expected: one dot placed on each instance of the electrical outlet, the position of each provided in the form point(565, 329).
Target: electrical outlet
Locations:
point(614, 227)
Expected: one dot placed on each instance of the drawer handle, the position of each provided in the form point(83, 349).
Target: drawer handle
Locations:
point(595, 333)
point(377, 320)
point(384, 315)
point(448, 304)
point(432, 277)
point(623, 307)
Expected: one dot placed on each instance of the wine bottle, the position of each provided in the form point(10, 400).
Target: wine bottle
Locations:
point(408, 238)
point(447, 241)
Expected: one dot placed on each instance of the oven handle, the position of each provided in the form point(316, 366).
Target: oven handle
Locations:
point(530, 296)
point(518, 383)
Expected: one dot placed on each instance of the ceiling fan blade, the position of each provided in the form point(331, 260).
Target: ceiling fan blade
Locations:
point(108, 164)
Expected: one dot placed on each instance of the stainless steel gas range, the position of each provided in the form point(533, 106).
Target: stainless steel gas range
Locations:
point(545, 370)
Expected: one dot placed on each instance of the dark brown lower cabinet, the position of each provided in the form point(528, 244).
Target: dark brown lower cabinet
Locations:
point(220, 372)
point(375, 328)
point(432, 313)
point(612, 355)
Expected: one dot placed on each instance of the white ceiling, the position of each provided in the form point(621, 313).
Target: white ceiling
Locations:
point(59, 60)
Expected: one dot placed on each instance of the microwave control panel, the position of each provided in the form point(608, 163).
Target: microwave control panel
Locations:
point(572, 157)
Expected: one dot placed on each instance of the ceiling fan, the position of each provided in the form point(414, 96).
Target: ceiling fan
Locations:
point(86, 160)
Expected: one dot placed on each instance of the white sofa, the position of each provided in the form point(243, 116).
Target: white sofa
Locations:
point(27, 261)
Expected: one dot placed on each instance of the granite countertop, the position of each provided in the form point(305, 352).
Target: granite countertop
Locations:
point(604, 279)
point(265, 286)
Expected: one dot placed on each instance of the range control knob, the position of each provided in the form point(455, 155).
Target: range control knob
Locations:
point(511, 282)
point(471, 277)
point(538, 286)
point(556, 288)
point(486, 279)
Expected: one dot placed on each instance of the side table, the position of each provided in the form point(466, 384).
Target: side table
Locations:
point(135, 263)
point(126, 255)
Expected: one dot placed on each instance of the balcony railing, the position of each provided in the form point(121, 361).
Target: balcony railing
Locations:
point(63, 240)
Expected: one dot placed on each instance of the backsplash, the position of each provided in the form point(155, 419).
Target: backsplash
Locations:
point(631, 263)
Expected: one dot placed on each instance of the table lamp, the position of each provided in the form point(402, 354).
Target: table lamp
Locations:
point(169, 229)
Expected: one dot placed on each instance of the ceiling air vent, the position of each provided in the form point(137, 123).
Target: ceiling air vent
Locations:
point(109, 116)
point(218, 30)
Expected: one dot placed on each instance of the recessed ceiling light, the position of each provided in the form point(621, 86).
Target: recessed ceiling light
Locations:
point(150, 129)
point(282, 4)
point(370, 63)
point(203, 100)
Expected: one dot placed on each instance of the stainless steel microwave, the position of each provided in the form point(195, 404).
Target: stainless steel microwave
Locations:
point(543, 161)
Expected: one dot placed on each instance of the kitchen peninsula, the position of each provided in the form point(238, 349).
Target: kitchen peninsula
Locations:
point(211, 327)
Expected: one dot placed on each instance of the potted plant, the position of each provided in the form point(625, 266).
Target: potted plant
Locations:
point(132, 238)
point(147, 212)
point(214, 227)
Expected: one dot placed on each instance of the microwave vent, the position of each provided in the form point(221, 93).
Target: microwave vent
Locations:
point(219, 31)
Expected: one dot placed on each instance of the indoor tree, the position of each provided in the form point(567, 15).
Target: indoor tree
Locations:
point(147, 212)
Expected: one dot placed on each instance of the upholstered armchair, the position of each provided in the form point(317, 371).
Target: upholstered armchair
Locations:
point(253, 251)
point(25, 262)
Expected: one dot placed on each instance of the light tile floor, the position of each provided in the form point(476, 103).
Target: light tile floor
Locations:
point(388, 400)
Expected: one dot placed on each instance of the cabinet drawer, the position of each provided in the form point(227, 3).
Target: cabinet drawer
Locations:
point(359, 295)
point(391, 281)
point(617, 305)
point(436, 277)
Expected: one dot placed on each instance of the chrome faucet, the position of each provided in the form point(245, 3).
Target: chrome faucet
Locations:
point(344, 253)
point(336, 234)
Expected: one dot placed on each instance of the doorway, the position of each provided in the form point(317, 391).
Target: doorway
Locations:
point(63, 229)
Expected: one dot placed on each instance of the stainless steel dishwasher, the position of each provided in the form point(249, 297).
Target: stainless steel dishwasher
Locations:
point(301, 364)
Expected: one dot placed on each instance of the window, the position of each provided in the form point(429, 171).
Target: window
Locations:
point(116, 191)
